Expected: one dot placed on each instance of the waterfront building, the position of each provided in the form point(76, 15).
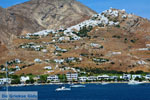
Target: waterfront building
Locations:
point(53, 78)
point(23, 79)
point(83, 79)
point(5, 80)
point(72, 76)
point(100, 77)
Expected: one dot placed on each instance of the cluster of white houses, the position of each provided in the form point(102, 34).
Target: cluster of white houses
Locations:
point(96, 20)
point(75, 77)
point(32, 45)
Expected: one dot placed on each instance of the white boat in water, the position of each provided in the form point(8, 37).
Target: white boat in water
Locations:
point(104, 83)
point(133, 82)
point(77, 86)
point(63, 88)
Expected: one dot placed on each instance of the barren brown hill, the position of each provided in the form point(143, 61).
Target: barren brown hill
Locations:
point(53, 14)
point(112, 40)
point(37, 15)
point(12, 24)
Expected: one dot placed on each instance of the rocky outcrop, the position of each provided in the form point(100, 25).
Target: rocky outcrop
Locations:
point(12, 24)
point(53, 14)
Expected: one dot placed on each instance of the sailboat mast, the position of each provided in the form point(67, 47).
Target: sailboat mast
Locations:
point(7, 80)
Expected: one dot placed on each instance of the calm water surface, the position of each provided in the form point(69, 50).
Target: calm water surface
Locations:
point(91, 92)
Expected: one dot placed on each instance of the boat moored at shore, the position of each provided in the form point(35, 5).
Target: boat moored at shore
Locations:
point(77, 86)
point(133, 82)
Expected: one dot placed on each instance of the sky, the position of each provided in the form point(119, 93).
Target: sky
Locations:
point(138, 7)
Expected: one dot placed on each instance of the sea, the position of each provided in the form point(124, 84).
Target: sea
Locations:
point(114, 91)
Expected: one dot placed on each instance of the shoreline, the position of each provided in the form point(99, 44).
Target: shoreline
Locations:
point(18, 85)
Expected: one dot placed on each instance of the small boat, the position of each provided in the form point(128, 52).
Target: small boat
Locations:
point(133, 82)
point(104, 83)
point(77, 86)
point(21, 85)
point(63, 88)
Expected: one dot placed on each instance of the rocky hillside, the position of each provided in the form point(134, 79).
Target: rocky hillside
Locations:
point(13, 24)
point(53, 14)
point(37, 15)
point(112, 40)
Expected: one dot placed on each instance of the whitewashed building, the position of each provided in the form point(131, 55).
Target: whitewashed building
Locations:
point(53, 78)
point(147, 76)
point(83, 79)
point(38, 60)
point(5, 80)
point(59, 61)
point(23, 79)
point(92, 78)
point(102, 77)
point(72, 76)
point(48, 67)
point(126, 76)
point(113, 77)
point(136, 76)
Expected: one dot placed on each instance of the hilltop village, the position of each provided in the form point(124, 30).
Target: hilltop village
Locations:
point(102, 48)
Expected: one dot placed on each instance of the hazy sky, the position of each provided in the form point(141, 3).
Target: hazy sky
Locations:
point(138, 7)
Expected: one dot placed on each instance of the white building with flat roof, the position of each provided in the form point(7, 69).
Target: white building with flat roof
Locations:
point(48, 67)
point(147, 76)
point(72, 76)
point(23, 79)
point(102, 77)
point(92, 78)
point(53, 78)
point(126, 76)
point(83, 79)
point(136, 76)
point(5, 80)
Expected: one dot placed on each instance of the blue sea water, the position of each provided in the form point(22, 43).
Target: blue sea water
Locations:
point(90, 92)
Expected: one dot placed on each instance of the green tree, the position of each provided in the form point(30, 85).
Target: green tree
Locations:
point(15, 81)
point(62, 77)
point(84, 30)
point(30, 81)
point(43, 78)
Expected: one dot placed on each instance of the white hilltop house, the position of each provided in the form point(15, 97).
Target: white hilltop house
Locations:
point(17, 68)
point(95, 45)
point(141, 62)
point(143, 49)
point(147, 45)
point(37, 60)
point(64, 38)
point(23, 79)
point(59, 60)
point(41, 33)
point(116, 53)
point(48, 67)
point(18, 61)
point(44, 50)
